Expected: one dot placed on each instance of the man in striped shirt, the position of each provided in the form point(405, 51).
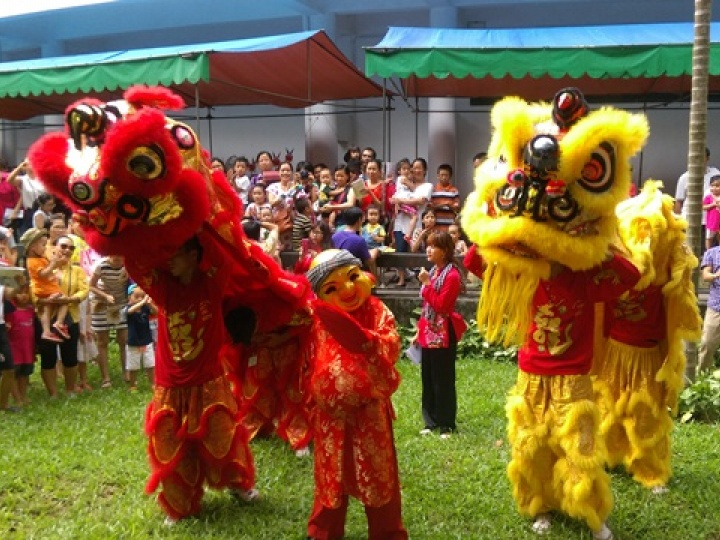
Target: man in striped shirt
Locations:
point(445, 199)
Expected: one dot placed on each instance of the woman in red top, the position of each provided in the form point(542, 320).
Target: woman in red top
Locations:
point(439, 330)
point(374, 185)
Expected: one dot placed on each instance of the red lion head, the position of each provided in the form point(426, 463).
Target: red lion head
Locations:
point(139, 182)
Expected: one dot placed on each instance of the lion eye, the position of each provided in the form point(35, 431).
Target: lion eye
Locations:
point(147, 162)
point(598, 174)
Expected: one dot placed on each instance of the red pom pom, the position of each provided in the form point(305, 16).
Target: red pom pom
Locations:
point(153, 96)
point(555, 188)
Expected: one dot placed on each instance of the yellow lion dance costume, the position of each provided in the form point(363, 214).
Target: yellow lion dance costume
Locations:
point(640, 370)
point(542, 217)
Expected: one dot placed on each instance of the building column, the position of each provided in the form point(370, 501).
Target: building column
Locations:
point(321, 140)
point(442, 133)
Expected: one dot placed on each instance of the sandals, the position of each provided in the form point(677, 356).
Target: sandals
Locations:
point(542, 524)
point(106, 384)
point(62, 329)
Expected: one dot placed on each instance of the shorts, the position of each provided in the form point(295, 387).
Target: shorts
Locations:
point(140, 357)
point(24, 370)
point(401, 245)
point(104, 318)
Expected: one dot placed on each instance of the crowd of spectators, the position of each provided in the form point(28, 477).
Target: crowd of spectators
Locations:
point(386, 207)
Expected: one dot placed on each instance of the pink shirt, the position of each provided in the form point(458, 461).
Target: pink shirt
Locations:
point(712, 216)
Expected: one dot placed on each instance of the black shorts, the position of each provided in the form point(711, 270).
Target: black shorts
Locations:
point(24, 370)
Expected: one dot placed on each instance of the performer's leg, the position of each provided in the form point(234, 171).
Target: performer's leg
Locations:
point(182, 490)
point(648, 426)
point(227, 460)
point(327, 523)
point(385, 522)
point(580, 476)
point(532, 463)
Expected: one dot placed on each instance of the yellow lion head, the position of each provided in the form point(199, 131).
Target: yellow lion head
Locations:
point(548, 190)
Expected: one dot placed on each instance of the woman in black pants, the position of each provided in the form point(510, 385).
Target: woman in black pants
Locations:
point(74, 285)
point(439, 330)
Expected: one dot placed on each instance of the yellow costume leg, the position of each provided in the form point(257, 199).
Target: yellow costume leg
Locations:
point(530, 468)
point(580, 475)
point(558, 457)
point(636, 425)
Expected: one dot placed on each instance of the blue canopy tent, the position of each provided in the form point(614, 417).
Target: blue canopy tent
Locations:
point(646, 61)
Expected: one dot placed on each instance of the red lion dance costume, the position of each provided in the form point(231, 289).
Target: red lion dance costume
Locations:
point(141, 186)
point(542, 217)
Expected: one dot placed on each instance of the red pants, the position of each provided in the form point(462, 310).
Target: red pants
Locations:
point(384, 522)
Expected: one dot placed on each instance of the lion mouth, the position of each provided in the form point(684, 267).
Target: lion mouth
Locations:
point(518, 249)
point(585, 228)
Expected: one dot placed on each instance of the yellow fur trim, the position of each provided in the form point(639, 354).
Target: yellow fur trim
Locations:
point(635, 422)
point(504, 308)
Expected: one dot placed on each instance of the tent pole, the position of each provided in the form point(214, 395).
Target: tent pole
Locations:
point(417, 145)
point(197, 120)
point(197, 109)
point(389, 129)
point(385, 145)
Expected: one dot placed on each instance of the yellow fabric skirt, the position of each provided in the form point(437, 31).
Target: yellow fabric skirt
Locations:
point(558, 457)
point(635, 418)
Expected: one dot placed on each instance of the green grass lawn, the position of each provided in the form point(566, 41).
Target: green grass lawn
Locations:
point(76, 469)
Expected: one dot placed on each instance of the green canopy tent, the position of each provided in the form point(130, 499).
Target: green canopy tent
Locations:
point(291, 70)
point(648, 62)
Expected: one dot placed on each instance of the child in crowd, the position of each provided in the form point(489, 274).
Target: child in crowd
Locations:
point(372, 232)
point(320, 239)
point(240, 179)
point(20, 325)
point(420, 237)
point(326, 187)
point(404, 188)
point(108, 288)
point(302, 222)
point(45, 206)
point(259, 200)
point(269, 236)
point(44, 284)
point(140, 350)
point(460, 245)
point(445, 198)
point(711, 205)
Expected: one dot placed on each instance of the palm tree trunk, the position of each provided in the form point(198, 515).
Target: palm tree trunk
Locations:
point(696, 151)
